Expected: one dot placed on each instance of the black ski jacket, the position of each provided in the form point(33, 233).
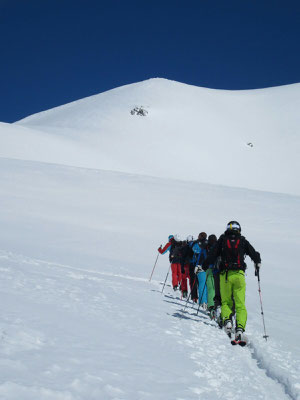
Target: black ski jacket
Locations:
point(175, 256)
point(244, 249)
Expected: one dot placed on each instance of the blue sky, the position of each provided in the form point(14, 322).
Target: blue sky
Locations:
point(57, 51)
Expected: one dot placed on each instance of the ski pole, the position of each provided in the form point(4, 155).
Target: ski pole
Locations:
point(261, 306)
point(166, 278)
point(154, 267)
point(202, 293)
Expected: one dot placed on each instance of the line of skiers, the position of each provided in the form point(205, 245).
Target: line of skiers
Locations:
point(215, 269)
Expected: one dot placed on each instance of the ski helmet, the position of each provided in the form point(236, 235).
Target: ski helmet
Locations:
point(170, 237)
point(189, 238)
point(233, 226)
point(177, 238)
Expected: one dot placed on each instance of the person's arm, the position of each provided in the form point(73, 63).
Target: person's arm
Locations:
point(252, 253)
point(165, 248)
point(196, 248)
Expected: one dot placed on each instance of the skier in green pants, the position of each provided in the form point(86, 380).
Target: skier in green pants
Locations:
point(233, 248)
point(233, 286)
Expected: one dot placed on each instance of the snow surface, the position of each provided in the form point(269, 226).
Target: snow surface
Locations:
point(79, 318)
point(190, 133)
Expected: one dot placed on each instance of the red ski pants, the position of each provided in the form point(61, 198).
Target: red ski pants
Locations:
point(176, 274)
point(184, 278)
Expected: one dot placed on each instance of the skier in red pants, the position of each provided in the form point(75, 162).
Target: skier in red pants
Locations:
point(175, 259)
point(185, 266)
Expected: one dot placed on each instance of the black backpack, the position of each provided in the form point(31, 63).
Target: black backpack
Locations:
point(175, 251)
point(178, 251)
point(233, 253)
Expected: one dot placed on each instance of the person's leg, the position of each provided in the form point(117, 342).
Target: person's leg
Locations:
point(210, 288)
point(193, 284)
point(174, 275)
point(217, 298)
point(184, 281)
point(202, 291)
point(226, 296)
point(239, 294)
point(178, 271)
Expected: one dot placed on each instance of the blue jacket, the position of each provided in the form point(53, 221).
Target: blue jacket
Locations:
point(200, 252)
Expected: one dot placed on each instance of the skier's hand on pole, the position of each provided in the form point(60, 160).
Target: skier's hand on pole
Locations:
point(257, 268)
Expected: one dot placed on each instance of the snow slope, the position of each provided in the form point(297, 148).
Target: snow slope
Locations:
point(190, 133)
point(79, 318)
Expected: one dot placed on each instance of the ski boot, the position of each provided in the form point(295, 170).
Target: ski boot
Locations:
point(228, 327)
point(240, 338)
point(217, 316)
point(212, 313)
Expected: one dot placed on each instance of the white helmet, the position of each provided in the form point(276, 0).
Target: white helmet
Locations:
point(177, 238)
point(189, 238)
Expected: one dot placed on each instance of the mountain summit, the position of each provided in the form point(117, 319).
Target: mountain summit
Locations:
point(169, 129)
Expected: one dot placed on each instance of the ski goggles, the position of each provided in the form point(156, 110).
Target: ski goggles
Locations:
point(233, 226)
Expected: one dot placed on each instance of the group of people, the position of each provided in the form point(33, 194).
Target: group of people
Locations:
point(215, 269)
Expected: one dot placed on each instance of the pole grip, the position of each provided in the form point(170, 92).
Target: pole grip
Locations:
point(257, 273)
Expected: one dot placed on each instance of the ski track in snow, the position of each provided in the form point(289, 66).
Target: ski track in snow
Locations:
point(213, 369)
point(270, 369)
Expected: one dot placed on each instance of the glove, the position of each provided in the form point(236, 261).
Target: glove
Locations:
point(257, 267)
point(198, 269)
point(159, 249)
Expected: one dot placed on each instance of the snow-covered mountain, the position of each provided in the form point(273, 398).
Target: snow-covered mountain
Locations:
point(79, 319)
point(237, 138)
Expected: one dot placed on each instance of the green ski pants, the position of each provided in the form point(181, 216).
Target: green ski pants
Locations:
point(233, 284)
point(210, 284)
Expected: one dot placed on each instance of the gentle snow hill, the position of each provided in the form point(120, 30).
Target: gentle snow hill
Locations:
point(79, 319)
point(190, 133)
point(18, 142)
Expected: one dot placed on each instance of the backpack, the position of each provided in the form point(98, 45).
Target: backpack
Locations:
point(233, 253)
point(177, 252)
